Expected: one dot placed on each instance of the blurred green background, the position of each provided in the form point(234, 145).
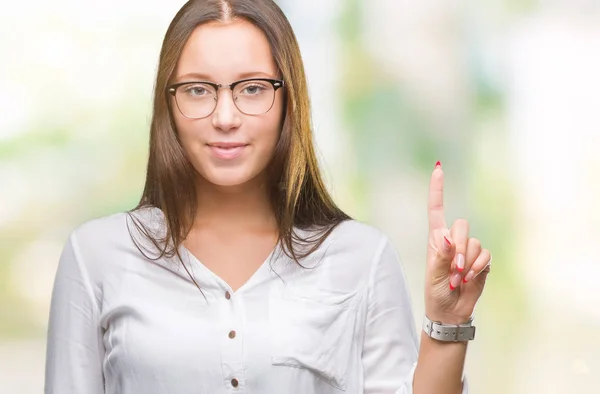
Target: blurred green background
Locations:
point(504, 93)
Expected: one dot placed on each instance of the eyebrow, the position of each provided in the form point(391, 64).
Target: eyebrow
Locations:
point(204, 77)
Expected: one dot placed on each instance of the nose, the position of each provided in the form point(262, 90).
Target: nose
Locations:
point(226, 116)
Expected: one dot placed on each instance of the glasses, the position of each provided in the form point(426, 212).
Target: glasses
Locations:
point(197, 100)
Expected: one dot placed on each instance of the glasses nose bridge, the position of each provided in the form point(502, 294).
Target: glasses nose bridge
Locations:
point(230, 87)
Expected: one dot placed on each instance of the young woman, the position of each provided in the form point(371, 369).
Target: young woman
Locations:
point(237, 273)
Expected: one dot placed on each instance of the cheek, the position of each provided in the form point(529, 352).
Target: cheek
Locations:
point(276, 118)
point(188, 132)
point(185, 136)
point(268, 133)
point(184, 126)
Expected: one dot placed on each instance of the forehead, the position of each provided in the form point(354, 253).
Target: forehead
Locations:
point(225, 52)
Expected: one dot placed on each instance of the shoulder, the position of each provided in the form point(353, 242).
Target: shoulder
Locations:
point(349, 255)
point(100, 230)
point(109, 240)
point(117, 228)
point(358, 239)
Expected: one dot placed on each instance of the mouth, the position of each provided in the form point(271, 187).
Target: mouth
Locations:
point(227, 150)
point(226, 145)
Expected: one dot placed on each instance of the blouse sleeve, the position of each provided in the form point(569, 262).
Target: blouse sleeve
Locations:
point(74, 350)
point(390, 348)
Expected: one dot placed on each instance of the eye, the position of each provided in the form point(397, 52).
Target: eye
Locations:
point(252, 89)
point(197, 90)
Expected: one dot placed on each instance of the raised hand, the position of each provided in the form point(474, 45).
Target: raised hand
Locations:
point(457, 266)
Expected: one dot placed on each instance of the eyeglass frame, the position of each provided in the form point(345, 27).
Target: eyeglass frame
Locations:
point(276, 83)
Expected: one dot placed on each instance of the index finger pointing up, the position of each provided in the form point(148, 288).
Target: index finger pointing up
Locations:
point(435, 207)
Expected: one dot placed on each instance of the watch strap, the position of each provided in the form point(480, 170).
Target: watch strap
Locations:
point(449, 332)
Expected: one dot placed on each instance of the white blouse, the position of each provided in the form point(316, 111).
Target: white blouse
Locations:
point(123, 324)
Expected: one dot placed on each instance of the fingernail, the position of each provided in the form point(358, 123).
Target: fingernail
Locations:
point(469, 276)
point(454, 281)
point(460, 262)
point(438, 164)
point(447, 244)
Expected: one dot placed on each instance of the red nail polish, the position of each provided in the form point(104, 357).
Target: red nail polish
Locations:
point(465, 280)
point(452, 287)
point(438, 164)
point(447, 242)
point(460, 269)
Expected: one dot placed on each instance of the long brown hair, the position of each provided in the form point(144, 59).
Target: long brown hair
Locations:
point(297, 192)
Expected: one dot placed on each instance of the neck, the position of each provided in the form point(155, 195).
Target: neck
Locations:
point(243, 207)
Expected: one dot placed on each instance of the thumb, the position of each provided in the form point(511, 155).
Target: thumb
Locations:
point(443, 253)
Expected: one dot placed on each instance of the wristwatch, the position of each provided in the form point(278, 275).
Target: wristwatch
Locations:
point(449, 332)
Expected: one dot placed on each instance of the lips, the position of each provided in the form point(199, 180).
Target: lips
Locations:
point(226, 145)
point(227, 150)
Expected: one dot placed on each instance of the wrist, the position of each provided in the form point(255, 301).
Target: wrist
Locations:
point(445, 332)
point(432, 342)
point(449, 318)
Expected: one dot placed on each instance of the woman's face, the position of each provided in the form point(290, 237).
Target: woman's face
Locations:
point(227, 147)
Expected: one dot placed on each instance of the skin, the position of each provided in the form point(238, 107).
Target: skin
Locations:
point(235, 223)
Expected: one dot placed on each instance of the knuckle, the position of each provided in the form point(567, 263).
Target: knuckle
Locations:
point(462, 249)
point(475, 243)
point(483, 260)
point(461, 222)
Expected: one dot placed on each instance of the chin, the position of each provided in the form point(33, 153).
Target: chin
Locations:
point(228, 177)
